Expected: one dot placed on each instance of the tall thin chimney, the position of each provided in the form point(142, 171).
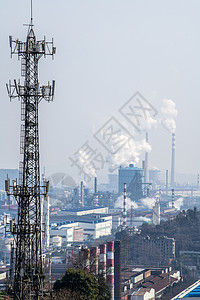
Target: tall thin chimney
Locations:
point(110, 267)
point(146, 170)
point(173, 161)
point(173, 195)
point(82, 194)
point(95, 185)
point(124, 208)
point(167, 182)
point(197, 182)
point(102, 260)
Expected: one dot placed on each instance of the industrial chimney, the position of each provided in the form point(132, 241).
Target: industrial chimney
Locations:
point(82, 194)
point(173, 198)
point(146, 170)
point(124, 208)
point(95, 185)
point(173, 161)
point(166, 182)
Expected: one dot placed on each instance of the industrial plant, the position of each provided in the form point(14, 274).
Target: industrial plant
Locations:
point(131, 226)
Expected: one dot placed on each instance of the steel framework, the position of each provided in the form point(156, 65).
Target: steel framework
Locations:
point(27, 270)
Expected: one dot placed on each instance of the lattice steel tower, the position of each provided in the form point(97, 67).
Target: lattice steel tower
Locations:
point(27, 273)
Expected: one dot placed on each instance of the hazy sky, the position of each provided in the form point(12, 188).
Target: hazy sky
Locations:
point(106, 51)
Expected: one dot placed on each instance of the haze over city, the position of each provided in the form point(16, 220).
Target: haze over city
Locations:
point(106, 52)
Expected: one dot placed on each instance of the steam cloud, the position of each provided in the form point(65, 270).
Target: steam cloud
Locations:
point(148, 202)
point(178, 203)
point(120, 203)
point(130, 152)
point(83, 160)
point(169, 114)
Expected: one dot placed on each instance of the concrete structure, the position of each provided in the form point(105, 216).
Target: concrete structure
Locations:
point(143, 294)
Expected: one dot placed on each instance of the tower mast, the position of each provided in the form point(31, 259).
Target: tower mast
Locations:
point(27, 231)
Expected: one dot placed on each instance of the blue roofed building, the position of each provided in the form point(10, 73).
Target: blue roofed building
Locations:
point(192, 292)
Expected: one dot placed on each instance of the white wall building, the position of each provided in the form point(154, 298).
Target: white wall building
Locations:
point(143, 294)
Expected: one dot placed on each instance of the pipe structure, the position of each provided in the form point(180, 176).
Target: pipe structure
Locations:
point(110, 267)
point(102, 261)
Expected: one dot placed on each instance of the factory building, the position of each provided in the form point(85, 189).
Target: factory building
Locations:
point(134, 179)
point(93, 224)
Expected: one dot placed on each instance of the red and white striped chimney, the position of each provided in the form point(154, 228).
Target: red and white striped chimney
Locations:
point(124, 208)
point(102, 261)
point(110, 267)
point(94, 260)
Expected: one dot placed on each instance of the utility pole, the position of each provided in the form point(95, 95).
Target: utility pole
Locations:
point(27, 230)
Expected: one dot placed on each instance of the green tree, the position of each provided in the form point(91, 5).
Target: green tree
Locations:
point(104, 293)
point(79, 281)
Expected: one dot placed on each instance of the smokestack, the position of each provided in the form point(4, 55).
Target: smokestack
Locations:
point(110, 268)
point(47, 226)
point(95, 185)
point(102, 260)
point(82, 194)
point(197, 182)
point(117, 270)
point(173, 161)
point(94, 261)
point(143, 164)
point(166, 182)
point(173, 198)
point(124, 208)
point(156, 212)
point(146, 170)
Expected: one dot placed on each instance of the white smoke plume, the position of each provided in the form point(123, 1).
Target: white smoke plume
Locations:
point(83, 160)
point(169, 114)
point(148, 202)
point(178, 203)
point(120, 203)
point(144, 219)
point(129, 153)
point(150, 122)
